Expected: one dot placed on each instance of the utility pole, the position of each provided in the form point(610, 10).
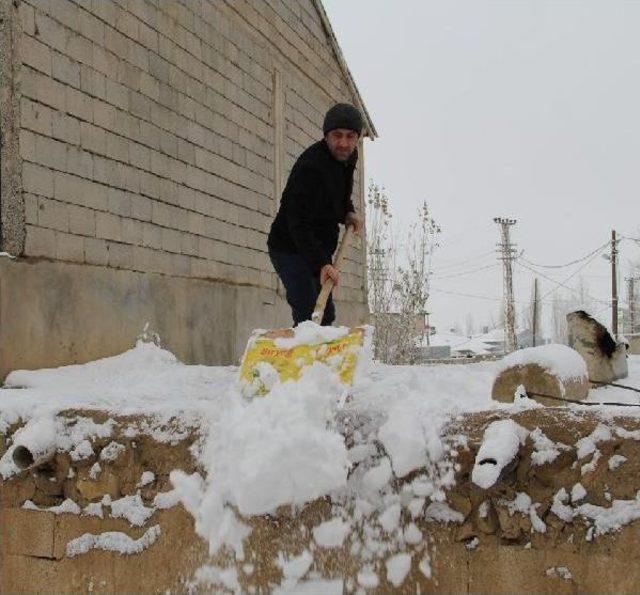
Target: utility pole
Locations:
point(534, 322)
point(631, 298)
point(614, 285)
point(507, 255)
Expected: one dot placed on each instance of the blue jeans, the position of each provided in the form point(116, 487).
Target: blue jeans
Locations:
point(302, 287)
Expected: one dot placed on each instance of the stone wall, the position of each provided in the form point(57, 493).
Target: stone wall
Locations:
point(148, 140)
point(494, 545)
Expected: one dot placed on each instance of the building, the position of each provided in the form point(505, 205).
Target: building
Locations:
point(145, 147)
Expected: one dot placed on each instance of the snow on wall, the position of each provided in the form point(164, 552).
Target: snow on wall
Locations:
point(560, 360)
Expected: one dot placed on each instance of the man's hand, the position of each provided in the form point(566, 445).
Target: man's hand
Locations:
point(329, 271)
point(354, 220)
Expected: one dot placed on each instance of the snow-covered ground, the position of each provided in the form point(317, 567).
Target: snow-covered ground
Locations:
point(287, 447)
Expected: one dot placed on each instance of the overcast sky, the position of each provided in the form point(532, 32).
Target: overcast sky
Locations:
point(523, 109)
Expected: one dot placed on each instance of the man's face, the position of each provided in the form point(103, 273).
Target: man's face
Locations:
point(342, 143)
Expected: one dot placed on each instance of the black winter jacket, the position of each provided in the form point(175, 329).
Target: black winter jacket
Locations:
point(316, 198)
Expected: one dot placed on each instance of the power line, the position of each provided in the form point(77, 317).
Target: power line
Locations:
point(562, 266)
point(562, 283)
point(465, 273)
point(460, 262)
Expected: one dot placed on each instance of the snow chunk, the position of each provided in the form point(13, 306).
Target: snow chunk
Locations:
point(578, 492)
point(615, 461)
point(559, 508)
point(331, 533)
point(131, 508)
point(441, 512)
point(164, 500)
point(111, 451)
point(390, 518)
point(425, 566)
point(294, 568)
point(95, 471)
point(68, 507)
point(146, 478)
point(560, 360)
point(585, 446)
point(216, 577)
point(404, 440)
point(83, 450)
point(412, 534)
point(545, 450)
point(398, 567)
point(113, 541)
point(559, 572)
point(313, 587)
point(368, 578)
point(93, 509)
point(500, 444)
point(377, 477)
point(591, 465)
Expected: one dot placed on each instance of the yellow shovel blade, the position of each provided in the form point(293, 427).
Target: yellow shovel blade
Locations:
point(340, 354)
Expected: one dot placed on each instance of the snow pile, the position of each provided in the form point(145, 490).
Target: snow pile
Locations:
point(501, 442)
point(268, 452)
point(560, 360)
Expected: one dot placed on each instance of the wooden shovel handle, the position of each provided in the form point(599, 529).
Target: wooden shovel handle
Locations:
point(327, 286)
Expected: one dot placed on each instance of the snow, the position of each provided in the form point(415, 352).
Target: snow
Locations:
point(559, 572)
point(95, 470)
point(113, 541)
point(217, 577)
point(132, 509)
point(615, 461)
point(545, 450)
point(310, 333)
point(425, 566)
point(562, 361)
point(578, 493)
point(288, 448)
point(146, 478)
point(440, 511)
point(331, 533)
point(412, 534)
point(368, 578)
point(587, 445)
point(608, 520)
point(501, 442)
point(313, 587)
point(377, 477)
point(294, 568)
point(390, 518)
point(164, 500)
point(112, 451)
point(397, 568)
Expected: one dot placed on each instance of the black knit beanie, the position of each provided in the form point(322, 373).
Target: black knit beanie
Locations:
point(343, 115)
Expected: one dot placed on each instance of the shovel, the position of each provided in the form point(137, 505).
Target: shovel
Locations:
point(282, 354)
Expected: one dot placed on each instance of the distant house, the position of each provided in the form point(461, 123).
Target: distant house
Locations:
point(145, 146)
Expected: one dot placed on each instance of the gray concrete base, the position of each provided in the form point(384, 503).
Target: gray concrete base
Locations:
point(56, 313)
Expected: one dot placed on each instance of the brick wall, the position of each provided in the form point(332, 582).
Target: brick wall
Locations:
point(147, 131)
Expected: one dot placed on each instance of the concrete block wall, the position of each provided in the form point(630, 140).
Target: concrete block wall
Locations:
point(144, 143)
point(147, 135)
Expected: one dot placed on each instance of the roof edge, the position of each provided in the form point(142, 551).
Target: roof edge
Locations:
point(373, 133)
